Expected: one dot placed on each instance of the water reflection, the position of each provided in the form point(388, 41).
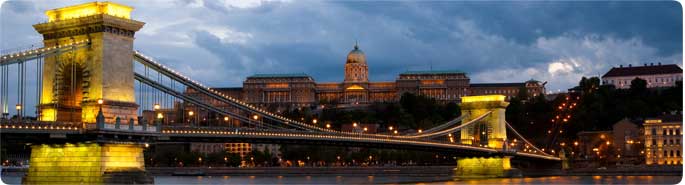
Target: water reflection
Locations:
point(405, 179)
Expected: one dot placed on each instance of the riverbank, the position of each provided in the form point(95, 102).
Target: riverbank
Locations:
point(348, 171)
point(386, 171)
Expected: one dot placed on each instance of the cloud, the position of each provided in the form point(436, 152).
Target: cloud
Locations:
point(221, 42)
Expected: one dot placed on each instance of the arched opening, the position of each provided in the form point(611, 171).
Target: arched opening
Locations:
point(70, 80)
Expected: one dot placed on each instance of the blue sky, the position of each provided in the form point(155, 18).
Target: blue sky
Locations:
point(219, 43)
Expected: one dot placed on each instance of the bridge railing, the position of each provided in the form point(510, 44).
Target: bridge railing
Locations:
point(76, 126)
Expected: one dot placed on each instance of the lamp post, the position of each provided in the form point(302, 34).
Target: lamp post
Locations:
point(190, 117)
point(19, 111)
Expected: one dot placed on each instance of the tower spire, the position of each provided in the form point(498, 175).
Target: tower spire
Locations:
point(356, 44)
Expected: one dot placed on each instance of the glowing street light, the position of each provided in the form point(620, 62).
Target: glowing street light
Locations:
point(314, 121)
point(100, 101)
point(390, 128)
point(575, 143)
point(225, 118)
point(395, 132)
point(160, 116)
point(328, 125)
point(255, 117)
point(156, 106)
point(18, 106)
point(366, 129)
point(354, 124)
point(420, 130)
point(191, 113)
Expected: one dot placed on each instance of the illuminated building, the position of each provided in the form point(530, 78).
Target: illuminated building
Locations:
point(663, 145)
point(300, 90)
point(655, 75)
point(241, 149)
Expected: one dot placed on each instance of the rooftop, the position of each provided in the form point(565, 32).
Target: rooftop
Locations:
point(497, 84)
point(281, 75)
point(643, 70)
point(432, 72)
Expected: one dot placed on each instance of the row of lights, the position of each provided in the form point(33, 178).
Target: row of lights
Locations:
point(40, 50)
point(39, 127)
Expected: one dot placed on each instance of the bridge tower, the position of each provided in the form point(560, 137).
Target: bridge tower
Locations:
point(490, 132)
point(101, 70)
point(98, 66)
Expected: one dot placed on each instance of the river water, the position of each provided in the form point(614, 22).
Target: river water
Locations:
point(331, 179)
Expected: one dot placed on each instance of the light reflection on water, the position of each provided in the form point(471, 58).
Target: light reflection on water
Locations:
point(407, 179)
point(415, 180)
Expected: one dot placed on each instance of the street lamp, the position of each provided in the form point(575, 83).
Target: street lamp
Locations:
point(225, 118)
point(354, 124)
point(160, 116)
point(19, 110)
point(314, 121)
point(390, 128)
point(328, 125)
point(190, 117)
point(255, 117)
point(156, 106)
point(366, 129)
point(420, 130)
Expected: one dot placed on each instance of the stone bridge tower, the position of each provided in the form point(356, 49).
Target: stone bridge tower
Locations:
point(75, 80)
point(490, 132)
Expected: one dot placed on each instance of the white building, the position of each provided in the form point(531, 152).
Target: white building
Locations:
point(655, 75)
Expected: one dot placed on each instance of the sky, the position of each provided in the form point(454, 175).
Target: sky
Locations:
point(220, 43)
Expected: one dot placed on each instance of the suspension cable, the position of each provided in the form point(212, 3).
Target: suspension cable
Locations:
point(524, 139)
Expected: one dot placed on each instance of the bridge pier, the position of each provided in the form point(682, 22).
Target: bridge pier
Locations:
point(87, 163)
point(485, 167)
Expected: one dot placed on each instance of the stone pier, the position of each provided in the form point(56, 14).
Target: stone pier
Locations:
point(87, 163)
point(482, 167)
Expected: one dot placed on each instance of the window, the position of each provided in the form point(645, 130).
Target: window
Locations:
point(653, 131)
point(665, 153)
point(677, 153)
point(664, 133)
point(672, 153)
point(677, 131)
point(653, 141)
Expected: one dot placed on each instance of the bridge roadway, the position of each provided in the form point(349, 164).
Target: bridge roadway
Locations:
point(43, 132)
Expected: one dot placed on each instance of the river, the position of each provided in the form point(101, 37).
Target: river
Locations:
point(332, 179)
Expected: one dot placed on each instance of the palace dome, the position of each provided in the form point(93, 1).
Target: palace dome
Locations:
point(356, 56)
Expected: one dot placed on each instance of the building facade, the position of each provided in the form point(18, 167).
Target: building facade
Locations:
point(655, 75)
point(663, 145)
point(302, 90)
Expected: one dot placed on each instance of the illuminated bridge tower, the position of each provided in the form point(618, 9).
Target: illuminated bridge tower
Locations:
point(103, 69)
point(75, 79)
point(491, 132)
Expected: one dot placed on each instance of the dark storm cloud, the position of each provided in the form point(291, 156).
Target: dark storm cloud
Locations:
point(222, 42)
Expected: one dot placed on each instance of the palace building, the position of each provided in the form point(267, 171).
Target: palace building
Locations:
point(301, 90)
point(657, 76)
